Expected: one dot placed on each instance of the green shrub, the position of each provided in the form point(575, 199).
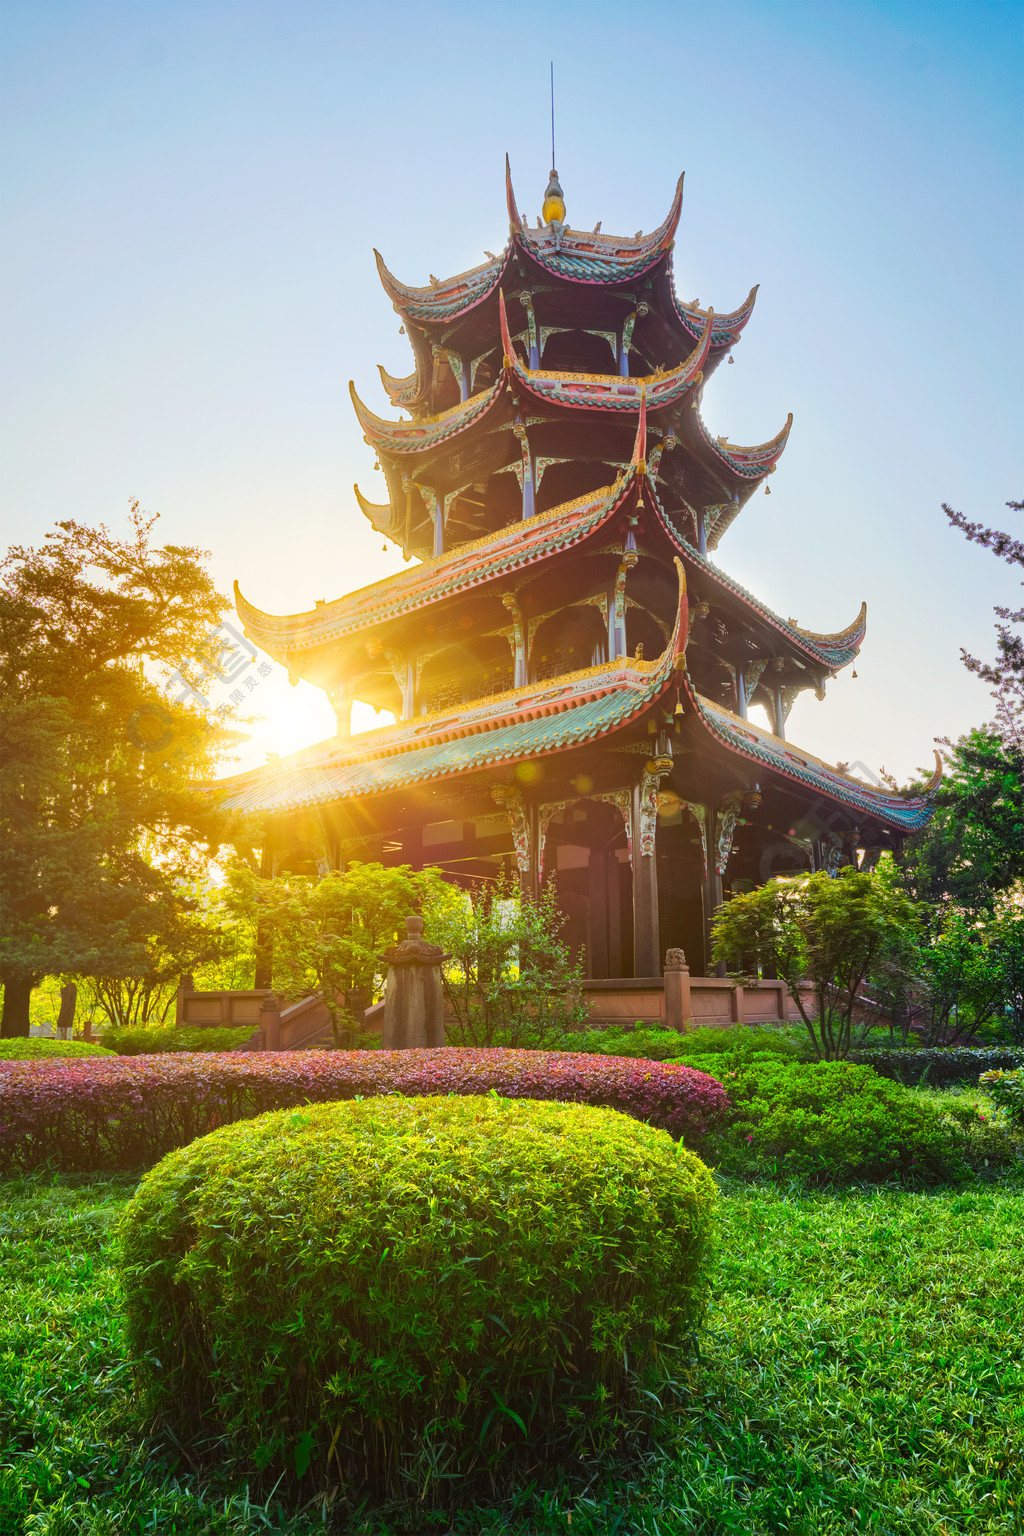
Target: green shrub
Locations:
point(1007, 1088)
point(156, 1042)
point(654, 1044)
point(983, 1138)
point(937, 1066)
point(830, 1122)
point(744, 1041)
point(414, 1294)
point(36, 1049)
point(661, 1044)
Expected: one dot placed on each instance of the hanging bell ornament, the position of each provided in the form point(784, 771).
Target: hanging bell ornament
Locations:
point(678, 709)
point(853, 674)
point(731, 358)
point(767, 490)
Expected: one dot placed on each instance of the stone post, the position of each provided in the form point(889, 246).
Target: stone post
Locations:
point(413, 1001)
point(678, 1009)
point(270, 1023)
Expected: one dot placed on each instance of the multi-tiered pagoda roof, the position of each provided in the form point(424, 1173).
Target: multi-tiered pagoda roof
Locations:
point(564, 642)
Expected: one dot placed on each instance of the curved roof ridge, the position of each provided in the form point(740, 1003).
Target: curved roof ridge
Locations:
point(847, 641)
point(749, 740)
point(413, 587)
point(515, 220)
point(842, 637)
point(576, 241)
point(748, 462)
point(728, 325)
point(400, 391)
point(408, 436)
point(407, 294)
point(609, 391)
point(566, 712)
point(379, 514)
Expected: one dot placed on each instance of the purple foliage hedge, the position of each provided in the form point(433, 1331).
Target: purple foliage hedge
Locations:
point(129, 1111)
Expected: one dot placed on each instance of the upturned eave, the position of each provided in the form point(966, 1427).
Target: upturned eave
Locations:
point(742, 738)
point(524, 723)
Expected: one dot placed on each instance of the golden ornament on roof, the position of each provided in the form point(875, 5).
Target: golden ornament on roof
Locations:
point(553, 211)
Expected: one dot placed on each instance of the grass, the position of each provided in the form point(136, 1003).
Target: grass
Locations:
point(861, 1371)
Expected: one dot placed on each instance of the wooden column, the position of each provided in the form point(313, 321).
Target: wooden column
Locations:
point(614, 908)
point(597, 912)
point(409, 691)
point(646, 956)
point(522, 819)
point(264, 942)
point(780, 719)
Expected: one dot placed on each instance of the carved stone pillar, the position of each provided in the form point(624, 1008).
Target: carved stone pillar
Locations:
point(270, 1023)
point(413, 999)
point(678, 1007)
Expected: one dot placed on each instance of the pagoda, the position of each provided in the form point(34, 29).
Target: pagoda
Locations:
point(569, 667)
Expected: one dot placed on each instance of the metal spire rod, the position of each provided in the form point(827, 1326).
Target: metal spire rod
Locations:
point(553, 162)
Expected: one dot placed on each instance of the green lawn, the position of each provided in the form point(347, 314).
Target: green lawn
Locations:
point(862, 1371)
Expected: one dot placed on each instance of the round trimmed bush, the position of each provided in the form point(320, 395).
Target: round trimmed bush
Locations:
point(831, 1122)
point(387, 1292)
point(36, 1048)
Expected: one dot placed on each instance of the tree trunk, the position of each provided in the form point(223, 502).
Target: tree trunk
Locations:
point(17, 996)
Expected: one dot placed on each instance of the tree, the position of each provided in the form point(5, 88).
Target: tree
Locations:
point(963, 980)
point(510, 979)
point(973, 847)
point(1007, 938)
point(104, 819)
point(1006, 671)
point(329, 935)
point(156, 944)
point(828, 935)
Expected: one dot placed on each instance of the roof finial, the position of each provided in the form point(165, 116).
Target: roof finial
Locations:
point(553, 211)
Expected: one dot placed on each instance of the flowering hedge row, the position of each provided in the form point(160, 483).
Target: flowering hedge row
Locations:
point(938, 1067)
point(123, 1112)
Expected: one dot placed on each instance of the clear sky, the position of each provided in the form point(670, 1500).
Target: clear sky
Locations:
point(191, 192)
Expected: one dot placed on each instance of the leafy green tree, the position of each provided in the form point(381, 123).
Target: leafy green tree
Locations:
point(963, 980)
point(1007, 936)
point(973, 847)
point(825, 938)
point(156, 944)
point(102, 813)
point(328, 935)
point(510, 979)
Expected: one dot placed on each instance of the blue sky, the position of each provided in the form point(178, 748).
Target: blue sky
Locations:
point(192, 191)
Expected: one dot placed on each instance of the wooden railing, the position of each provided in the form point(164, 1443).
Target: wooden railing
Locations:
point(676, 1000)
